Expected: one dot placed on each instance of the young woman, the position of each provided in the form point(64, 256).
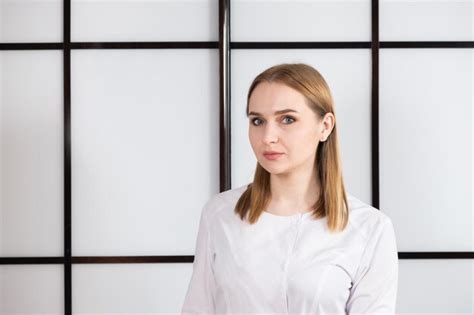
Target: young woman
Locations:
point(292, 241)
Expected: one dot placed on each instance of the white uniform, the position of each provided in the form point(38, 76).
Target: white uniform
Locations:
point(291, 264)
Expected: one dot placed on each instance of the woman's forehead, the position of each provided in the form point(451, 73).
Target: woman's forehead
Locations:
point(273, 98)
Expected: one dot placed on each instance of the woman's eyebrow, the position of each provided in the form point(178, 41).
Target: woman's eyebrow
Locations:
point(278, 112)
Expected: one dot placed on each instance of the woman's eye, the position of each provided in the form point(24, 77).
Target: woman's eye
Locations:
point(289, 118)
point(258, 124)
point(253, 121)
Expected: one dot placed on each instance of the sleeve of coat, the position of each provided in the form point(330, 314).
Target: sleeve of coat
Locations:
point(374, 289)
point(200, 295)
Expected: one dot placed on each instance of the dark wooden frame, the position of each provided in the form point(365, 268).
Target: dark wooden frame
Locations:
point(224, 45)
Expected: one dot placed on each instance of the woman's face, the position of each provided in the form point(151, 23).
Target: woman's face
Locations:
point(294, 133)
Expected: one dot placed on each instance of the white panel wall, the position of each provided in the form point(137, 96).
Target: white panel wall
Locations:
point(144, 20)
point(31, 289)
point(145, 133)
point(300, 20)
point(426, 147)
point(129, 288)
point(31, 153)
point(145, 149)
point(426, 20)
point(31, 21)
point(436, 286)
point(340, 68)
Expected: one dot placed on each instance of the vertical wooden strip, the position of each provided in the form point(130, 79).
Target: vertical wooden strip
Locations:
point(224, 95)
point(67, 155)
point(375, 105)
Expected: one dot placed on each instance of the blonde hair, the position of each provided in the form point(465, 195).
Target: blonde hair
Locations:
point(332, 201)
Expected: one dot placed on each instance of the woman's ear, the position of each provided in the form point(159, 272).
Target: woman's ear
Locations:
point(328, 122)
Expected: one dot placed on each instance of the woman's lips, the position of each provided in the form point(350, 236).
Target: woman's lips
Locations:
point(273, 156)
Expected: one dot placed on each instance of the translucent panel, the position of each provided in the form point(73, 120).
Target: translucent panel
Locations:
point(130, 288)
point(340, 68)
point(145, 135)
point(31, 153)
point(426, 147)
point(426, 20)
point(435, 286)
point(300, 20)
point(144, 20)
point(31, 289)
point(31, 21)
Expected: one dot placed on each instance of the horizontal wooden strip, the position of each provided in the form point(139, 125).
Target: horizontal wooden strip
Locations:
point(190, 259)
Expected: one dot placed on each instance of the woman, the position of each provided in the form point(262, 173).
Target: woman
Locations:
point(293, 241)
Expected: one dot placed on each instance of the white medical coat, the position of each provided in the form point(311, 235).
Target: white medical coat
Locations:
point(292, 264)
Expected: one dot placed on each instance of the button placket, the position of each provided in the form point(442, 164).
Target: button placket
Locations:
point(296, 224)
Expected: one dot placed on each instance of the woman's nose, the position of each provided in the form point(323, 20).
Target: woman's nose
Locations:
point(270, 134)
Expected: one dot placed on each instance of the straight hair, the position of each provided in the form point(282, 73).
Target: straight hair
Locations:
point(332, 202)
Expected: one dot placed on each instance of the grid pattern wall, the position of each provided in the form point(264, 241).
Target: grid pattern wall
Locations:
point(111, 110)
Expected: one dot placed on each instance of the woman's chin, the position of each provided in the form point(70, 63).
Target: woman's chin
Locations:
point(273, 169)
